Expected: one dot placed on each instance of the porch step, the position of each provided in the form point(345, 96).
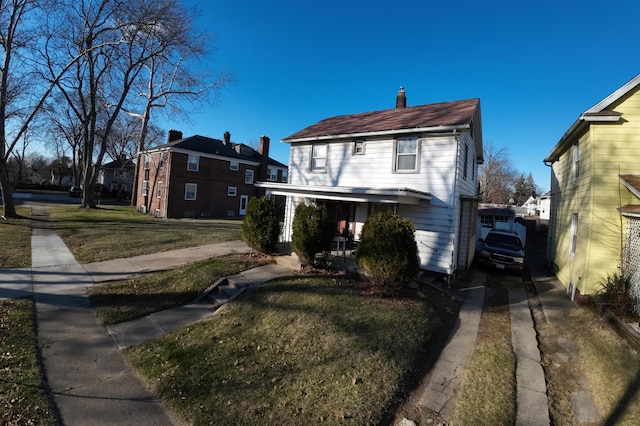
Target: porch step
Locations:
point(221, 292)
point(291, 261)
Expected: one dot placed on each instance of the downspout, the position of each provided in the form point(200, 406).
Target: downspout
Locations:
point(451, 210)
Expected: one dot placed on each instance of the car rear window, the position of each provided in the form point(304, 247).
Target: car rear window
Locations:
point(511, 242)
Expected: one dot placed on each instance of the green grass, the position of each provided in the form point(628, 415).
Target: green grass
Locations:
point(611, 365)
point(296, 350)
point(23, 398)
point(487, 393)
point(15, 240)
point(142, 295)
point(112, 232)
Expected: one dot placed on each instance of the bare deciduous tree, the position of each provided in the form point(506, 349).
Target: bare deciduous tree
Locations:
point(496, 175)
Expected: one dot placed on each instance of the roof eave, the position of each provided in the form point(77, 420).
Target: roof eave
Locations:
point(432, 129)
point(578, 127)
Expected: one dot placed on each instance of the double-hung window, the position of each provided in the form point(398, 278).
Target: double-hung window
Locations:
point(190, 190)
point(232, 191)
point(576, 161)
point(192, 164)
point(319, 157)
point(159, 190)
point(406, 155)
point(145, 188)
point(248, 176)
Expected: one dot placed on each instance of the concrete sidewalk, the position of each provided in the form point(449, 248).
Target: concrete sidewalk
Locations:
point(89, 378)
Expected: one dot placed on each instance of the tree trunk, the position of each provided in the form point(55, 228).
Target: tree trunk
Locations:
point(7, 191)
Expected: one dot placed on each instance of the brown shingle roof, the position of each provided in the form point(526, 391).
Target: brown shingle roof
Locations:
point(632, 180)
point(452, 113)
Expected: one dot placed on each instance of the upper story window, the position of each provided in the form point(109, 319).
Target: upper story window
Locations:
point(575, 151)
point(248, 176)
point(233, 165)
point(232, 191)
point(159, 190)
point(466, 161)
point(406, 155)
point(161, 163)
point(192, 164)
point(145, 188)
point(190, 190)
point(147, 161)
point(285, 176)
point(272, 174)
point(358, 148)
point(319, 158)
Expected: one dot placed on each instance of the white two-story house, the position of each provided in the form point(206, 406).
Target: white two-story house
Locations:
point(419, 162)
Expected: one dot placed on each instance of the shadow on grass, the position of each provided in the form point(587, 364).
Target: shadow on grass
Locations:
point(628, 397)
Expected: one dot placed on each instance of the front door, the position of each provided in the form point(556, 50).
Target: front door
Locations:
point(243, 204)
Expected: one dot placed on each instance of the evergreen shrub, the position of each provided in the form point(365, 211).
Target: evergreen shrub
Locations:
point(261, 226)
point(387, 252)
point(312, 233)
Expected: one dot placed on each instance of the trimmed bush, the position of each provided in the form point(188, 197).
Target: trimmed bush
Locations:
point(312, 233)
point(387, 252)
point(261, 227)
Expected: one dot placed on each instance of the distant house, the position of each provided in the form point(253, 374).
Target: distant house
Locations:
point(418, 162)
point(590, 169)
point(62, 178)
point(203, 177)
point(117, 176)
point(30, 177)
point(538, 206)
point(498, 217)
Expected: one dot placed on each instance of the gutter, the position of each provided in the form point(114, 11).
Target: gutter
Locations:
point(435, 129)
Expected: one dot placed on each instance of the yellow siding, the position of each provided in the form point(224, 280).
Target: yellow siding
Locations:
point(606, 150)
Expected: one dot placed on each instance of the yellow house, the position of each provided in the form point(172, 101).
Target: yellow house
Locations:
point(586, 229)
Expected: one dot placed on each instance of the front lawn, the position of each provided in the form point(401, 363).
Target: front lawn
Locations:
point(142, 295)
point(112, 232)
point(15, 240)
point(23, 397)
point(296, 350)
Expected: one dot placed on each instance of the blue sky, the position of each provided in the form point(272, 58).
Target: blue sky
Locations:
point(536, 66)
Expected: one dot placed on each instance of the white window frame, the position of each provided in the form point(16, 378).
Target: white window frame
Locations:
point(232, 191)
point(248, 176)
point(159, 190)
point(193, 166)
point(147, 161)
point(319, 157)
point(358, 147)
point(145, 188)
point(234, 166)
point(285, 176)
point(573, 242)
point(187, 192)
point(161, 160)
point(401, 153)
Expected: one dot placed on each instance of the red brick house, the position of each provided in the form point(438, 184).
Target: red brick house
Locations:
point(203, 177)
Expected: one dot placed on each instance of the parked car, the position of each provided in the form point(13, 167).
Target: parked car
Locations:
point(502, 250)
point(75, 192)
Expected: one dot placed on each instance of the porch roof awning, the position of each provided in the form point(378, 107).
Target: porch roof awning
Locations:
point(347, 193)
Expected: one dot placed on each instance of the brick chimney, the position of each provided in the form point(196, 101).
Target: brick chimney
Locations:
point(174, 135)
point(227, 139)
point(264, 158)
point(401, 99)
